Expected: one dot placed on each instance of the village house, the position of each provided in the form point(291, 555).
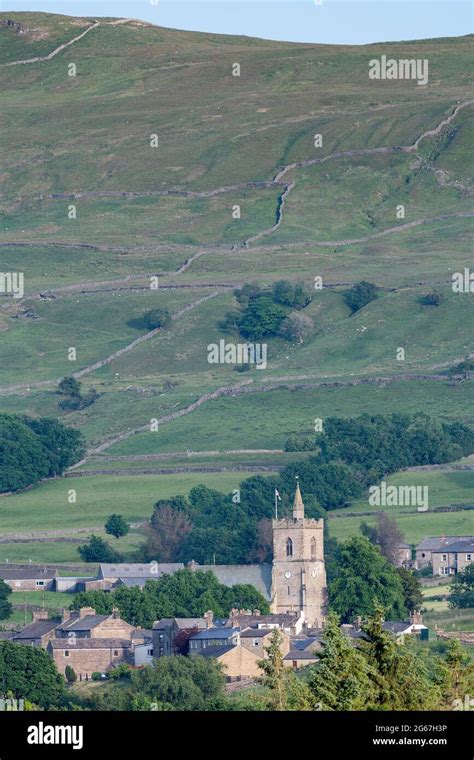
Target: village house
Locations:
point(170, 634)
point(238, 663)
point(446, 554)
point(454, 558)
point(39, 632)
point(28, 577)
point(303, 651)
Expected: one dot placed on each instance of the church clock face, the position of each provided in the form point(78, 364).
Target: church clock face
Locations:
point(287, 574)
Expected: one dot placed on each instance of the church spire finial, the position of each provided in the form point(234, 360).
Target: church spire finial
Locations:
point(298, 506)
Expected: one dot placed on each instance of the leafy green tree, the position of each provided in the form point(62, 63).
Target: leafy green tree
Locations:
point(340, 680)
point(333, 484)
point(30, 673)
point(5, 605)
point(286, 691)
point(159, 317)
point(363, 580)
point(461, 592)
point(33, 449)
point(412, 589)
point(432, 299)
point(69, 386)
point(98, 550)
point(400, 677)
point(185, 593)
point(274, 670)
point(361, 294)
point(295, 296)
point(70, 674)
point(261, 318)
point(117, 526)
point(183, 683)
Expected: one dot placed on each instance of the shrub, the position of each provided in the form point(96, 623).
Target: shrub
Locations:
point(360, 295)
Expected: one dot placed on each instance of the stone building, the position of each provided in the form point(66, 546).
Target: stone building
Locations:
point(28, 577)
point(299, 576)
point(447, 554)
point(453, 558)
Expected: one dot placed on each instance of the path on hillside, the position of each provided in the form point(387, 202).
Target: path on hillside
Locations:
point(40, 58)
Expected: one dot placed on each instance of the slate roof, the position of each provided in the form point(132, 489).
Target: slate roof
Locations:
point(216, 651)
point(254, 621)
point(90, 644)
point(301, 645)
point(396, 626)
point(180, 623)
point(36, 629)
point(466, 545)
point(84, 624)
point(216, 633)
point(434, 543)
point(301, 654)
point(259, 576)
point(146, 570)
point(255, 633)
point(27, 572)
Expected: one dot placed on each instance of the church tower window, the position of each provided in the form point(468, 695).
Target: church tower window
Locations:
point(313, 548)
point(289, 547)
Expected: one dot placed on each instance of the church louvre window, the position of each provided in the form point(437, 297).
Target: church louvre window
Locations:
point(289, 548)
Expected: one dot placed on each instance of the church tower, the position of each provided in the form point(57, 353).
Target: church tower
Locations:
point(299, 575)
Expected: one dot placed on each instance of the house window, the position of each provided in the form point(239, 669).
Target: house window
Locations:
point(423, 554)
point(116, 653)
point(40, 583)
point(468, 557)
point(66, 652)
point(444, 557)
point(256, 642)
point(289, 547)
point(149, 652)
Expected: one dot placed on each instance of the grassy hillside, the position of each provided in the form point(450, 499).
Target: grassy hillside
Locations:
point(224, 142)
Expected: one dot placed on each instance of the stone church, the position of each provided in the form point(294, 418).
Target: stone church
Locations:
point(298, 572)
point(295, 581)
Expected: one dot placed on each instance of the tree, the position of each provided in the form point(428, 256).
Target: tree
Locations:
point(185, 593)
point(432, 299)
point(182, 683)
point(166, 532)
point(98, 550)
point(70, 674)
point(157, 318)
point(69, 386)
point(461, 593)
point(364, 579)
point(401, 678)
point(340, 680)
point(30, 673)
point(296, 327)
point(261, 318)
point(117, 526)
point(262, 548)
point(412, 590)
point(360, 295)
point(274, 669)
point(295, 296)
point(34, 449)
point(6, 608)
point(385, 534)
